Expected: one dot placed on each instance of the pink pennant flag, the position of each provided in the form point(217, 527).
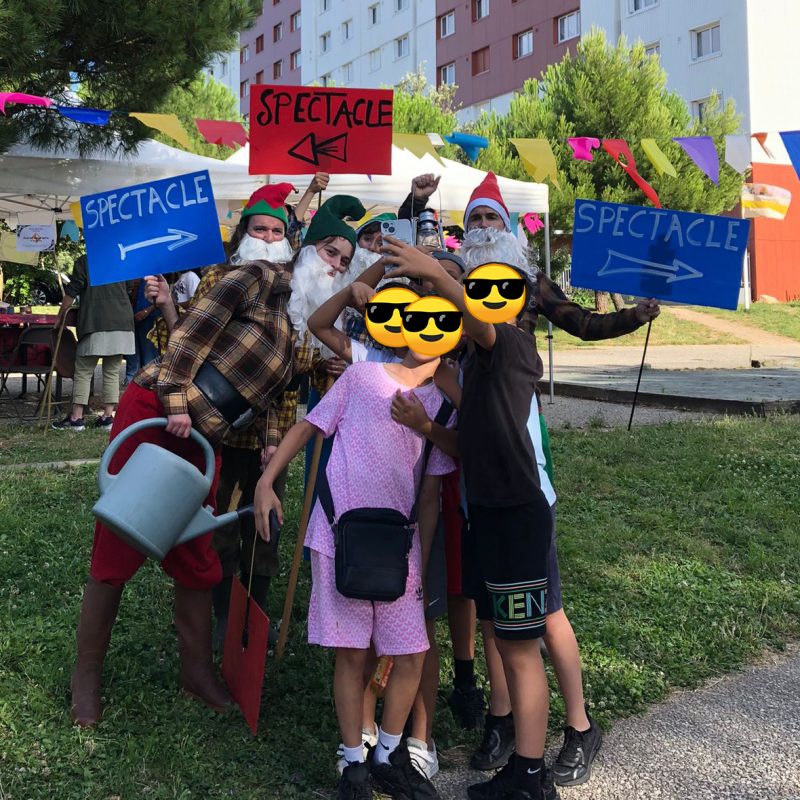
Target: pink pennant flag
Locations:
point(582, 147)
point(702, 151)
point(452, 243)
point(24, 99)
point(532, 222)
point(217, 131)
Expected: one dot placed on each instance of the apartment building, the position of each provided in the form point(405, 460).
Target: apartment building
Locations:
point(225, 69)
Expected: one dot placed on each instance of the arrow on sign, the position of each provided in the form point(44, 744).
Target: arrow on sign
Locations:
point(176, 237)
point(676, 271)
point(308, 149)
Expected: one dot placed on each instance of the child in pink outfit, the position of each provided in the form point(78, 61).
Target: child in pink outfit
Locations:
point(375, 462)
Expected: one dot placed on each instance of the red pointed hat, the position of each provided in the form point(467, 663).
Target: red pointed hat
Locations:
point(487, 193)
point(269, 200)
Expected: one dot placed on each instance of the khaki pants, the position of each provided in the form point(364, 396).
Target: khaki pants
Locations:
point(84, 369)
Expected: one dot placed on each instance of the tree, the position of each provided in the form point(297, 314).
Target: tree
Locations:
point(123, 55)
point(611, 92)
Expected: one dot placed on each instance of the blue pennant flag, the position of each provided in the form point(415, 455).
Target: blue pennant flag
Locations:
point(88, 116)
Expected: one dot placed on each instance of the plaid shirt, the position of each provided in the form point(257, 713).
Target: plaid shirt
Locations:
point(241, 327)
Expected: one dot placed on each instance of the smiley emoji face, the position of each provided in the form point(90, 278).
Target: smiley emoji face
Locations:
point(384, 315)
point(494, 293)
point(432, 326)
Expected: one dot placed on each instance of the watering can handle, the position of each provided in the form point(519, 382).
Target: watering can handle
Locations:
point(105, 479)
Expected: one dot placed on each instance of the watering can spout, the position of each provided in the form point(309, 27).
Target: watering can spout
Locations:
point(205, 522)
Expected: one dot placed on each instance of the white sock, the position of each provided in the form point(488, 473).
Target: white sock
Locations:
point(353, 755)
point(387, 744)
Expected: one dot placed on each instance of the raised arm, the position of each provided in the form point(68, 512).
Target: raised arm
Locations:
point(318, 184)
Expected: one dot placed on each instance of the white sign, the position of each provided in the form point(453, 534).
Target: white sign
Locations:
point(36, 238)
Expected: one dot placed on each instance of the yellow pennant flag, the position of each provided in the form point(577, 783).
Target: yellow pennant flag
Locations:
point(537, 158)
point(168, 124)
point(657, 158)
point(77, 215)
point(457, 217)
point(416, 143)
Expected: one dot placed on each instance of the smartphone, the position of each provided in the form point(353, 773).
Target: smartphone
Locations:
point(402, 229)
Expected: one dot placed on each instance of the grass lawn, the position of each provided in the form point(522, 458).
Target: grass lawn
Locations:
point(666, 330)
point(782, 318)
point(22, 444)
point(678, 547)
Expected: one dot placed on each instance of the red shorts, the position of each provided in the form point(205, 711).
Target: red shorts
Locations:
point(453, 521)
point(195, 564)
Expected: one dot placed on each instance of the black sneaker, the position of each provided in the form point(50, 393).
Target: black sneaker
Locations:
point(399, 778)
point(497, 745)
point(69, 424)
point(574, 763)
point(468, 706)
point(501, 786)
point(354, 783)
point(105, 422)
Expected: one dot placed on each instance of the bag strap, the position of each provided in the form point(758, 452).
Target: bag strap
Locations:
point(324, 489)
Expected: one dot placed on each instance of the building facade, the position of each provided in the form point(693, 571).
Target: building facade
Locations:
point(225, 69)
point(270, 52)
point(489, 48)
point(367, 43)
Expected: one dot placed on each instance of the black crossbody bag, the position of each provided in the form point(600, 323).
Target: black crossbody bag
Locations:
point(372, 544)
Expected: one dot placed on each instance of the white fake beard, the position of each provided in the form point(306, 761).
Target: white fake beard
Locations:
point(363, 259)
point(485, 245)
point(311, 287)
point(253, 249)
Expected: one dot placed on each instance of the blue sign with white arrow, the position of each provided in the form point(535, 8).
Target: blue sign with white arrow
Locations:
point(164, 226)
point(655, 252)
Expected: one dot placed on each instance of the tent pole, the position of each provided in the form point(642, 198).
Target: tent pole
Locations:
point(549, 324)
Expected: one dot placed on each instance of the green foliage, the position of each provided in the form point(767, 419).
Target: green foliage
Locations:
point(203, 98)
point(611, 92)
point(124, 55)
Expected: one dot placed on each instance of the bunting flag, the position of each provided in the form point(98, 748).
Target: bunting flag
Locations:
point(471, 144)
point(619, 147)
point(417, 143)
point(791, 141)
point(658, 159)
point(762, 200)
point(582, 147)
point(168, 124)
point(26, 99)
point(532, 222)
point(217, 131)
point(75, 210)
point(702, 151)
point(457, 218)
point(538, 159)
point(9, 252)
point(738, 153)
point(761, 138)
point(69, 230)
point(86, 116)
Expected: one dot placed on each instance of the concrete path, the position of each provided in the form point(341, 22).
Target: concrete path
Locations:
point(737, 739)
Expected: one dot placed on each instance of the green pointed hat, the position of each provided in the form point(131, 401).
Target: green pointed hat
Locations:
point(330, 219)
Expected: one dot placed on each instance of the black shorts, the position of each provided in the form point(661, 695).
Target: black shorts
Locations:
point(436, 577)
point(506, 566)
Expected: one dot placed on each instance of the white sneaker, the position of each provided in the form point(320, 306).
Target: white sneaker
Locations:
point(368, 737)
point(425, 761)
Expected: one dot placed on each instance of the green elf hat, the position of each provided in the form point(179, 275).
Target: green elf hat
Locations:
point(270, 200)
point(377, 218)
point(330, 219)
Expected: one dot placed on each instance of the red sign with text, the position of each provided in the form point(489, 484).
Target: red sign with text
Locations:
point(300, 130)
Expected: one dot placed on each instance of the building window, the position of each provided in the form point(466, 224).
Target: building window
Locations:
point(569, 26)
point(400, 5)
point(260, 76)
point(480, 61)
point(347, 30)
point(700, 107)
point(447, 24)
point(523, 44)
point(277, 32)
point(705, 42)
point(294, 21)
point(447, 74)
point(295, 59)
point(325, 42)
point(244, 88)
point(401, 47)
point(374, 60)
point(325, 80)
point(246, 119)
point(653, 49)
point(277, 69)
point(326, 5)
point(640, 5)
point(223, 67)
point(244, 54)
point(373, 14)
point(259, 43)
point(347, 72)
point(480, 9)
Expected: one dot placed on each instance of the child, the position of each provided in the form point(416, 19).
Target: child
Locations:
point(374, 463)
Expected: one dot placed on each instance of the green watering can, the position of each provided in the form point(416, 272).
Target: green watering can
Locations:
point(156, 500)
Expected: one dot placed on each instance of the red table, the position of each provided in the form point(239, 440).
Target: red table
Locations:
point(11, 326)
point(28, 319)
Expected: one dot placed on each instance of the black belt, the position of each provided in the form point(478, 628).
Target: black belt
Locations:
point(217, 389)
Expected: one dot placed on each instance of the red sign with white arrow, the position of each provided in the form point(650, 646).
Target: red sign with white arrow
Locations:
point(300, 130)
